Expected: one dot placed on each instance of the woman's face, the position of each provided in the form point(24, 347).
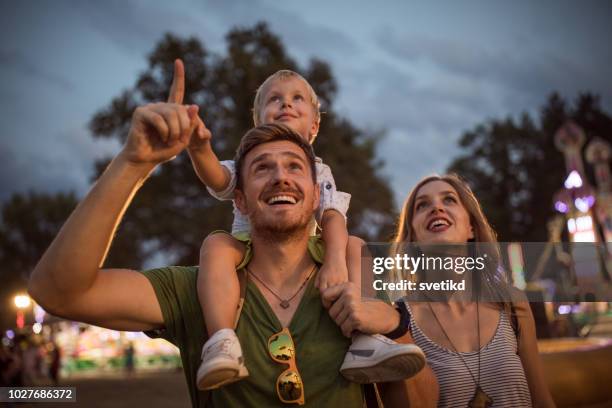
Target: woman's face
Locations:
point(439, 215)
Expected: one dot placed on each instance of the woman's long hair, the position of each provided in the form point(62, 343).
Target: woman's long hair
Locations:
point(493, 282)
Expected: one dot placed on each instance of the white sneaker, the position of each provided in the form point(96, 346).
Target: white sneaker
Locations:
point(222, 361)
point(376, 358)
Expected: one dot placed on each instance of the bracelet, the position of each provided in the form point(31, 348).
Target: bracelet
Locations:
point(404, 323)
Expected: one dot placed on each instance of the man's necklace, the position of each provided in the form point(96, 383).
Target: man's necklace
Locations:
point(480, 398)
point(284, 303)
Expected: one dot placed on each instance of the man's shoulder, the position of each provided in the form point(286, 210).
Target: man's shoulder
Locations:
point(316, 248)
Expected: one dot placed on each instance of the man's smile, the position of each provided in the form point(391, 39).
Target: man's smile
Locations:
point(281, 197)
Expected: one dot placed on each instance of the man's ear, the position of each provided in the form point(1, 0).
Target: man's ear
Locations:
point(316, 197)
point(240, 201)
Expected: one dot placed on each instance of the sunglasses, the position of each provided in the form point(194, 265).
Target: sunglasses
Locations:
point(289, 385)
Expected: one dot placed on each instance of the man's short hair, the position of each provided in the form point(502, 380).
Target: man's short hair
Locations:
point(271, 132)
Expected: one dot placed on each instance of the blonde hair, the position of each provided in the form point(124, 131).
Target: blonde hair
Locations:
point(283, 74)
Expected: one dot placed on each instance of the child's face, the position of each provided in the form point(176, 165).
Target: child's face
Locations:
point(287, 101)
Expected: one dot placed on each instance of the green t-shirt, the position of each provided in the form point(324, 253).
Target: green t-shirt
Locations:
point(320, 345)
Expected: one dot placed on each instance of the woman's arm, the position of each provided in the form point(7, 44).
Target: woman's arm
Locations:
point(419, 391)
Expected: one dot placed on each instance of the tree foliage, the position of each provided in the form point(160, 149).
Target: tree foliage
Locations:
point(173, 212)
point(29, 224)
point(515, 169)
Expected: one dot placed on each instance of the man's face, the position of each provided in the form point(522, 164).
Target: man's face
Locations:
point(278, 194)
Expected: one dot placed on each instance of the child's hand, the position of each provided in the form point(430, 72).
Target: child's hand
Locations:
point(200, 139)
point(332, 273)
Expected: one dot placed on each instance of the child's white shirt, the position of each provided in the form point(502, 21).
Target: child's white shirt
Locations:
point(330, 198)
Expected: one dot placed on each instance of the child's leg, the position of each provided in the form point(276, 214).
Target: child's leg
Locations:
point(219, 294)
point(218, 286)
point(375, 358)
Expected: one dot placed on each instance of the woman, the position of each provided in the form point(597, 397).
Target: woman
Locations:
point(479, 358)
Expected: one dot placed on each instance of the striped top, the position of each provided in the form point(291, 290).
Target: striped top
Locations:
point(501, 372)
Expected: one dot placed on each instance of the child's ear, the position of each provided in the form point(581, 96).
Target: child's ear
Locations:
point(240, 201)
point(314, 129)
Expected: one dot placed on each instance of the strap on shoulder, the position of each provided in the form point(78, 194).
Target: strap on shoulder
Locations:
point(242, 280)
point(514, 322)
point(370, 393)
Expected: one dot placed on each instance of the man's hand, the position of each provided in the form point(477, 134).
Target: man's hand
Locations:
point(332, 273)
point(201, 136)
point(160, 131)
point(200, 140)
point(352, 313)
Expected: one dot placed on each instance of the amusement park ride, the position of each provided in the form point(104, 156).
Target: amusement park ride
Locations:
point(583, 280)
point(572, 312)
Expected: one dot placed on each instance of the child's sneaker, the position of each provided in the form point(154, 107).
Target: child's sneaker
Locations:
point(222, 361)
point(376, 358)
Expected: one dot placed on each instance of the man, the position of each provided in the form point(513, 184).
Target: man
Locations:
point(278, 191)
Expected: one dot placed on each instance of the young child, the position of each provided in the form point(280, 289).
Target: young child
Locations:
point(284, 97)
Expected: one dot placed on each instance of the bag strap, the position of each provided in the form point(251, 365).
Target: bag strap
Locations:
point(514, 322)
point(370, 394)
point(242, 280)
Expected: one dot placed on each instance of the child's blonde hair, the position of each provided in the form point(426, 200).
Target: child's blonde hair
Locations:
point(283, 74)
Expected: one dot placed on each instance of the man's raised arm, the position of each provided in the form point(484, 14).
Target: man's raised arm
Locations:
point(68, 281)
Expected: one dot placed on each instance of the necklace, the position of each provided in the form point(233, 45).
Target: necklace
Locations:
point(284, 303)
point(480, 398)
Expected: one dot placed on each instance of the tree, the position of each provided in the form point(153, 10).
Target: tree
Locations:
point(173, 212)
point(515, 169)
point(29, 224)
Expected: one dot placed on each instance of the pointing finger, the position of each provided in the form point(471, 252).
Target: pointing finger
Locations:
point(177, 89)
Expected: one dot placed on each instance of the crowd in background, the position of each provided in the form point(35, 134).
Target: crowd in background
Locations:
point(29, 361)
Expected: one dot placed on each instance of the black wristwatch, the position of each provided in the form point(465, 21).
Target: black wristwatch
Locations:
point(404, 323)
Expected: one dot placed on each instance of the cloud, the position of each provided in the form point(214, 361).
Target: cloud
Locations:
point(135, 26)
point(423, 121)
point(394, 99)
point(17, 62)
point(520, 70)
point(63, 162)
point(301, 38)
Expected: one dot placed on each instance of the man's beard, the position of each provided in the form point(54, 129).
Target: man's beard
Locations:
point(274, 230)
point(278, 229)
